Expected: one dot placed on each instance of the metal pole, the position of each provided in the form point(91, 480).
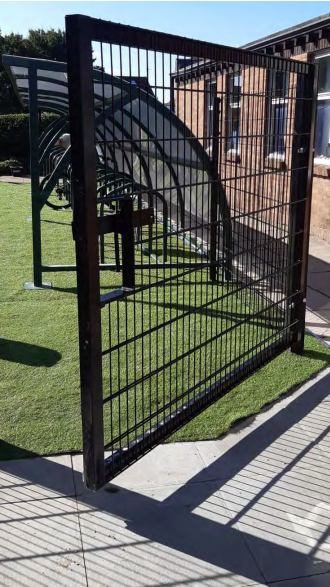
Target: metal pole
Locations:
point(214, 188)
point(128, 243)
point(301, 197)
point(34, 170)
point(82, 117)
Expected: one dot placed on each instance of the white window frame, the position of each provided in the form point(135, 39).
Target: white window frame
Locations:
point(237, 105)
point(278, 155)
point(209, 110)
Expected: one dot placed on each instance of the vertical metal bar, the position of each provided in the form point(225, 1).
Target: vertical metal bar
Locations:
point(34, 170)
point(313, 85)
point(301, 192)
point(127, 236)
point(214, 188)
point(102, 243)
point(81, 102)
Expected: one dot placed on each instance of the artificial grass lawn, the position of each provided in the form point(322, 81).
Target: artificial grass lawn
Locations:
point(39, 386)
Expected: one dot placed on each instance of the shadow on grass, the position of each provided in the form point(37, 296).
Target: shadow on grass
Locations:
point(74, 290)
point(310, 354)
point(11, 452)
point(269, 321)
point(28, 354)
point(56, 222)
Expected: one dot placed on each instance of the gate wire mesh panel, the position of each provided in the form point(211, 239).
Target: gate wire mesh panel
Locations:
point(199, 173)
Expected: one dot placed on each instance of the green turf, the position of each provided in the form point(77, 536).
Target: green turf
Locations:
point(39, 386)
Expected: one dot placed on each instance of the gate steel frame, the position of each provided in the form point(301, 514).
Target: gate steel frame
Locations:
point(81, 31)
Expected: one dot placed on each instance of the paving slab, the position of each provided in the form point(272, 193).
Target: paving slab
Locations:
point(37, 478)
point(40, 544)
point(179, 535)
point(319, 252)
point(317, 325)
point(318, 291)
point(315, 581)
point(318, 300)
point(320, 281)
point(281, 503)
point(317, 426)
point(167, 464)
point(11, 179)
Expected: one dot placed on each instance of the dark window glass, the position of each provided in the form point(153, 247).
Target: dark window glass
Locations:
point(211, 92)
point(234, 111)
point(322, 131)
point(324, 74)
point(278, 112)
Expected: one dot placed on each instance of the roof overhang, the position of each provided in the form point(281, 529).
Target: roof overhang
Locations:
point(306, 31)
point(51, 81)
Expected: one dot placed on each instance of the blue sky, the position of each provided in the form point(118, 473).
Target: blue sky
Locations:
point(228, 23)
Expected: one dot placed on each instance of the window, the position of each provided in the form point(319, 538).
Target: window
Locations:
point(211, 92)
point(322, 131)
point(233, 111)
point(277, 113)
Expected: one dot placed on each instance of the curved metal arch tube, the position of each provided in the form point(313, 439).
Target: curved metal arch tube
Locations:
point(48, 130)
point(194, 145)
point(148, 178)
point(47, 105)
point(55, 176)
point(172, 171)
point(202, 155)
point(54, 136)
point(141, 157)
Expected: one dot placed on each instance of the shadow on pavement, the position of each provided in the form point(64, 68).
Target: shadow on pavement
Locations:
point(258, 512)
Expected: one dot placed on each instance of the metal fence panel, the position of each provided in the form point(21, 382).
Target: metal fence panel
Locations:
point(192, 182)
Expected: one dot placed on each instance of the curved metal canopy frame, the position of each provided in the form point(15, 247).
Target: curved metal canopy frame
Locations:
point(42, 85)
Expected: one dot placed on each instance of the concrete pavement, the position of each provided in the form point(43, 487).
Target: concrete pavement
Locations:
point(318, 292)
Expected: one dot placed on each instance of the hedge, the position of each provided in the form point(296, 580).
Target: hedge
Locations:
point(14, 135)
point(5, 166)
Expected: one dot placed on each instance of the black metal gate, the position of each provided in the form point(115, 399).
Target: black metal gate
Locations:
point(192, 181)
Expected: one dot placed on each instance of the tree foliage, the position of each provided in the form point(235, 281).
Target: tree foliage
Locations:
point(38, 44)
point(14, 135)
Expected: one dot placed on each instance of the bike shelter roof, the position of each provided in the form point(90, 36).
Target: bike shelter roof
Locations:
point(138, 134)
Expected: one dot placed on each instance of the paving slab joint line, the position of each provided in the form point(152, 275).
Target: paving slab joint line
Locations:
point(243, 537)
point(200, 455)
point(319, 291)
point(79, 525)
point(51, 497)
point(279, 581)
point(314, 312)
point(230, 516)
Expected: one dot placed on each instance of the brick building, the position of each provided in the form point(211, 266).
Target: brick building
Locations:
point(256, 131)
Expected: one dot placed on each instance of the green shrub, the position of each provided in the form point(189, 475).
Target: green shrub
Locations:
point(14, 135)
point(5, 166)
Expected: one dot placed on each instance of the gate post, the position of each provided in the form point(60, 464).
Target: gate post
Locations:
point(300, 202)
point(82, 130)
point(35, 173)
point(214, 188)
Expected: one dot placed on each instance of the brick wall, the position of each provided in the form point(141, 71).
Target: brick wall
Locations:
point(248, 189)
point(191, 108)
